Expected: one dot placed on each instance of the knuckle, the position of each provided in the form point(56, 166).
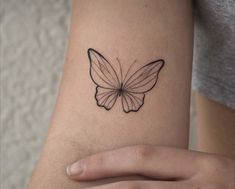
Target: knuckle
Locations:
point(219, 161)
point(218, 166)
point(140, 155)
point(142, 152)
point(215, 163)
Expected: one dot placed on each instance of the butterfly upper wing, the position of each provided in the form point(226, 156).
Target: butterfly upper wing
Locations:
point(101, 71)
point(145, 78)
point(106, 79)
point(105, 97)
point(142, 81)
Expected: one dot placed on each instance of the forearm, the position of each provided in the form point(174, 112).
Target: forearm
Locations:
point(130, 30)
point(215, 132)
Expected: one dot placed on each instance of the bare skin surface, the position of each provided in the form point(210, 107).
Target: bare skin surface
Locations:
point(216, 127)
point(130, 30)
point(165, 167)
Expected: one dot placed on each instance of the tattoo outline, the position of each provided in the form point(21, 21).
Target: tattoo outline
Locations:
point(130, 88)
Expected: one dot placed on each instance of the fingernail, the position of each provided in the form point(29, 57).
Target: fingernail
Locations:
point(74, 169)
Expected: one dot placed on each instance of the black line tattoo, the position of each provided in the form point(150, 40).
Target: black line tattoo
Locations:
point(130, 88)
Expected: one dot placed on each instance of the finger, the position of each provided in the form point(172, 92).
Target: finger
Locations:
point(145, 185)
point(160, 163)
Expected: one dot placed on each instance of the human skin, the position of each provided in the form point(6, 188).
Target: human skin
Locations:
point(165, 168)
point(215, 127)
point(130, 30)
point(171, 167)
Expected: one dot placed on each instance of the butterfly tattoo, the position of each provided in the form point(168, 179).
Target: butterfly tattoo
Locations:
point(112, 84)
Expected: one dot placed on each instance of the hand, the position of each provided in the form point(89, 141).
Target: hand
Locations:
point(166, 168)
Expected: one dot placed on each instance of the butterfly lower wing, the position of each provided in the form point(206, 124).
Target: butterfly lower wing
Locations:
point(132, 102)
point(106, 97)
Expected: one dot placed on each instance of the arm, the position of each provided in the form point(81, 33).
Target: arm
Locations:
point(216, 127)
point(141, 30)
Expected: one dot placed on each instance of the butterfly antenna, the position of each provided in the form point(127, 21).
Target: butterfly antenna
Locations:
point(120, 67)
point(129, 71)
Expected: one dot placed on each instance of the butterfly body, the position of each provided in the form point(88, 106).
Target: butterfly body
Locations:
point(110, 84)
point(121, 90)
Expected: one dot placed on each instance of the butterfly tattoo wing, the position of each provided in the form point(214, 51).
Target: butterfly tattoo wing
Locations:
point(142, 81)
point(133, 88)
point(105, 97)
point(105, 77)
